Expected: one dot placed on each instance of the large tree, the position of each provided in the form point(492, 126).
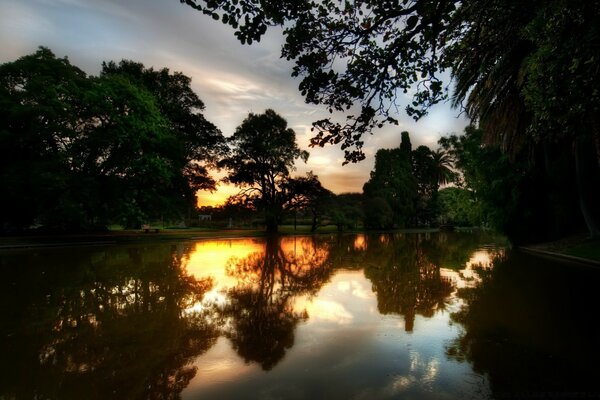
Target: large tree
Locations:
point(79, 151)
point(38, 118)
point(200, 143)
point(392, 183)
point(263, 152)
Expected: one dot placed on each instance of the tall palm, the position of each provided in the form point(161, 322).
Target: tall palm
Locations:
point(488, 73)
point(442, 167)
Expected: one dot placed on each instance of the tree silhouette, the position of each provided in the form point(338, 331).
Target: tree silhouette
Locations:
point(81, 152)
point(263, 151)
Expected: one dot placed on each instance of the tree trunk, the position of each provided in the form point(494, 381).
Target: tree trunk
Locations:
point(587, 175)
point(271, 221)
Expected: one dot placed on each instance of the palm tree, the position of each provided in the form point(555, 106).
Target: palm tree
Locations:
point(442, 167)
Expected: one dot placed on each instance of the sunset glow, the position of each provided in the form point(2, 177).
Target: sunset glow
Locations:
point(217, 198)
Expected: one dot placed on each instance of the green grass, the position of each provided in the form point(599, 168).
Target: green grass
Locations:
point(589, 249)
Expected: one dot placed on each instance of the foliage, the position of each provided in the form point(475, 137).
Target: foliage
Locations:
point(514, 196)
point(408, 180)
point(263, 151)
point(383, 48)
point(346, 211)
point(359, 56)
point(509, 75)
point(307, 194)
point(79, 151)
point(391, 182)
point(199, 140)
point(458, 207)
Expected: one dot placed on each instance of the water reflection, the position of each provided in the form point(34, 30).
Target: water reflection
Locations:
point(260, 312)
point(404, 278)
point(100, 324)
point(530, 325)
point(447, 315)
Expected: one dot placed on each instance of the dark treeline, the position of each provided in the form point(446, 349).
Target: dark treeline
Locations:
point(131, 146)
point(79, 152)
point(526, 73)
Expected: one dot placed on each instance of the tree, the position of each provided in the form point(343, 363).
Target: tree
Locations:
point(307, 193)
point(263, 151)
point(40, 108)
point(79, 152)
point(200, 143)
point(499, 51)
point(387, 48)
point(457, 206)
point(513, 196)
point(347, 210)
point(128, 155)
point(391, 181)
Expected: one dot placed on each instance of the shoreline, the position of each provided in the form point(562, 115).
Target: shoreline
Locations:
point(579, 248)
point(138, 236)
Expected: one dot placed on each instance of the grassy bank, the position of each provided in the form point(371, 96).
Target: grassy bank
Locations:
point(580, 246)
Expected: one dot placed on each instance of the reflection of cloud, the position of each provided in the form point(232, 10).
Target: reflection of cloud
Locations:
point(421, 372)
point(468, 276)
point(219, 365)
point(328, 311)
point(355, 288)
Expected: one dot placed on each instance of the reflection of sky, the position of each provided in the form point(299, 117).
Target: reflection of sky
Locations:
point(345, 349)
point(467, 276)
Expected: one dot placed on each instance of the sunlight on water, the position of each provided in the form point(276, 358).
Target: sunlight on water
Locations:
point(423, 316)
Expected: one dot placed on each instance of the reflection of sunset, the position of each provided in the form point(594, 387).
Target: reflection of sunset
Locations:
point(360, 243)
point(468, 277)
point(328, 310)
point(480, 258)
point(210, 257)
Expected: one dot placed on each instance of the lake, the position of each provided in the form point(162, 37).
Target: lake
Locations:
point(457, 315)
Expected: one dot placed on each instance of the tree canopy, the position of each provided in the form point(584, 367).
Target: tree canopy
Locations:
point(80, 151)
point(360, 57)
point(263, 152)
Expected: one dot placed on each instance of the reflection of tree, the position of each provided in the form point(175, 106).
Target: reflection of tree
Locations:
point(112, 324)
point(453, 249)
point(530, 329)
point(260, 310)
point(405, 280)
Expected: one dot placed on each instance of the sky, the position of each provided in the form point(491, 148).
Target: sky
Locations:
point(232, 79)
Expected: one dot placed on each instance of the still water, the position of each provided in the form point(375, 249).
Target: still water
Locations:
point(407, 316)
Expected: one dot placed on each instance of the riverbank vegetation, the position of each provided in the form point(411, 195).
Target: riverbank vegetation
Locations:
point(132, 147)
